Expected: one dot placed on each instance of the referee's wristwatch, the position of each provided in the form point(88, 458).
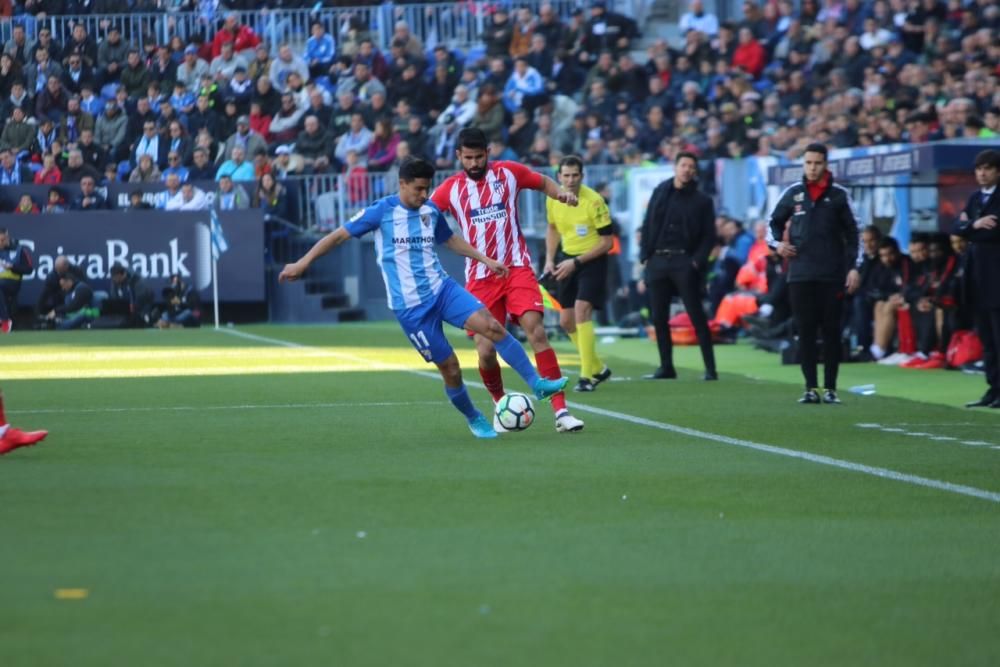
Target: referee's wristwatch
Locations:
point(577, 263)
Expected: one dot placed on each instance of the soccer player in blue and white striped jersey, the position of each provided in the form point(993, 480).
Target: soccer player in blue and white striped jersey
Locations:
point(421, 294)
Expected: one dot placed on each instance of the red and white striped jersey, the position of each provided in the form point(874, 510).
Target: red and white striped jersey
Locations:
point(486, 211)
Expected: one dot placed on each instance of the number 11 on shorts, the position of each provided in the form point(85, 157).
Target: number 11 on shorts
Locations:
point(420, 342)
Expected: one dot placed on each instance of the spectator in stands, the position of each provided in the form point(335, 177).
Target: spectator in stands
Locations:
point(146, 171)
point(129, 294)
point(285, 124)
point(192, 68)
point(163, 69)
point(358, 138)
point(224, 65)
point(89, 102)
point(49, 174)
point(320, 51)
point(286, 63)
point(76, 169)
point(607, 31)
point(272, 197)
point(10, 71)
point(240, 36)
point(52, 101)
point(12, 172)
point(19, 97)
point(245, 138)
point(231, 196)
point(203, 116)
point(153, 144)
point(489, 115)
point(26, 206)
point(314, 145)
point(190, 198)
point(525, 88)
point(134, 76)
point(18, 135)
point(74, 121)
point(18, 47)
point(236, 166)
point(55, 202)
point(37, 74)
point(698, 19)
point(201, 168)
point(522, 31)
point(498, 34)
point(109, 130)
point(284, 164)
point(382, 148)
point(46, 137)
point(136, 201)
point(111, 56)
point(89, 198)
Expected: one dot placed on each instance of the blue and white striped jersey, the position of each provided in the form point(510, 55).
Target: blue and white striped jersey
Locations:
point(404, 246)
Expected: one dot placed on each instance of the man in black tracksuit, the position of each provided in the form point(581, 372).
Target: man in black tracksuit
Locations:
point(52, 294)
point(678, 234)
point(15, 263)
point(980, 224)
point(814, 227)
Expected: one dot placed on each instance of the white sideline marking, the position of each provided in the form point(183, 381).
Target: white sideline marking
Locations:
point(929, 436)
point(851, 466)
point(201, 408)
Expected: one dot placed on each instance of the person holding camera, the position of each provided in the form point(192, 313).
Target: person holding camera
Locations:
point(183, 308)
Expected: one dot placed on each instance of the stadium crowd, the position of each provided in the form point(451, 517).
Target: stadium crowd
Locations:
point(225, 105)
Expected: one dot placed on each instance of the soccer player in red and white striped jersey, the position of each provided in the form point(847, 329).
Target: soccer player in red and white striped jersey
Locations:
point(483, 199)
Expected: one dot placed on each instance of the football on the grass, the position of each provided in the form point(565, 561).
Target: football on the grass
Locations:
point(515, 412)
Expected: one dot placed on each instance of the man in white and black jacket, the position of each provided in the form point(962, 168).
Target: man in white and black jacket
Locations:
point(815, 228)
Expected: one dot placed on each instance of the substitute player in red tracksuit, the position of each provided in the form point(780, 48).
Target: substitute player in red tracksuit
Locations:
point(483, 199)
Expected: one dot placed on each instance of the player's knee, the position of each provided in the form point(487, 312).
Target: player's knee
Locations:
point(567, 321)
point(451, 371)
point(494, 330)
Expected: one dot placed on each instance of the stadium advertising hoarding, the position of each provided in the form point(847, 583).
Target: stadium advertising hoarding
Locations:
point(153, 244)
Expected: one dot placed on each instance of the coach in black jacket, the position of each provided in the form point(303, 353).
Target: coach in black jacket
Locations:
point(814, 227)
point(980, 224)
point(678, 234)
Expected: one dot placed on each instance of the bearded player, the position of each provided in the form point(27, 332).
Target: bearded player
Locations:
point(483, 199)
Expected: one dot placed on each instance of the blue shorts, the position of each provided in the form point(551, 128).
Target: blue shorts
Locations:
point(423, 324)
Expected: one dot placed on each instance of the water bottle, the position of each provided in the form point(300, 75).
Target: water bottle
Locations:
point(863, 389)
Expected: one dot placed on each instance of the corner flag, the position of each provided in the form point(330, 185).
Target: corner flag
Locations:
point(219, 243)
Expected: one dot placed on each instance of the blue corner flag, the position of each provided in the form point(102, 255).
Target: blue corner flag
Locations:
point(219, 243)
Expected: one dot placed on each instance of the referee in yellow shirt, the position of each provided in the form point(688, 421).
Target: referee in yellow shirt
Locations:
point(582, 266)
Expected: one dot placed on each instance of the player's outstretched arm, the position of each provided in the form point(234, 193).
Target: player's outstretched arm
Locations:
point(554, 191)
point(460, 246)
point(293, 272)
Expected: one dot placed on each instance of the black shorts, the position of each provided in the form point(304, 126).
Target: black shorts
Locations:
point(588, 283)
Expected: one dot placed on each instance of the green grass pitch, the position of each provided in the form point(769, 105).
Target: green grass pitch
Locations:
point(306, 496)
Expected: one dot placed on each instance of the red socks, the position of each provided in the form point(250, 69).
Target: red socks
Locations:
point(493, 381)
point(548, 368)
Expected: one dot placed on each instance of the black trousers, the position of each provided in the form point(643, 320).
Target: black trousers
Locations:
point(668, 277)
point(8, 299)
point(818, 307)
point(988, 328)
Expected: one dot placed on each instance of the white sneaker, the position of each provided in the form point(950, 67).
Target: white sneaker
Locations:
point(567, 423)
point(895, 359)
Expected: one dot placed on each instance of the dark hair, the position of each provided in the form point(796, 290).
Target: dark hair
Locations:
point(988, 158)
point(118, 269)
point(889, 242)
point(873, 230)
point(414, 167)
point(686, 154)
point(816, 148)
point(571, 161)
point(472, 137)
